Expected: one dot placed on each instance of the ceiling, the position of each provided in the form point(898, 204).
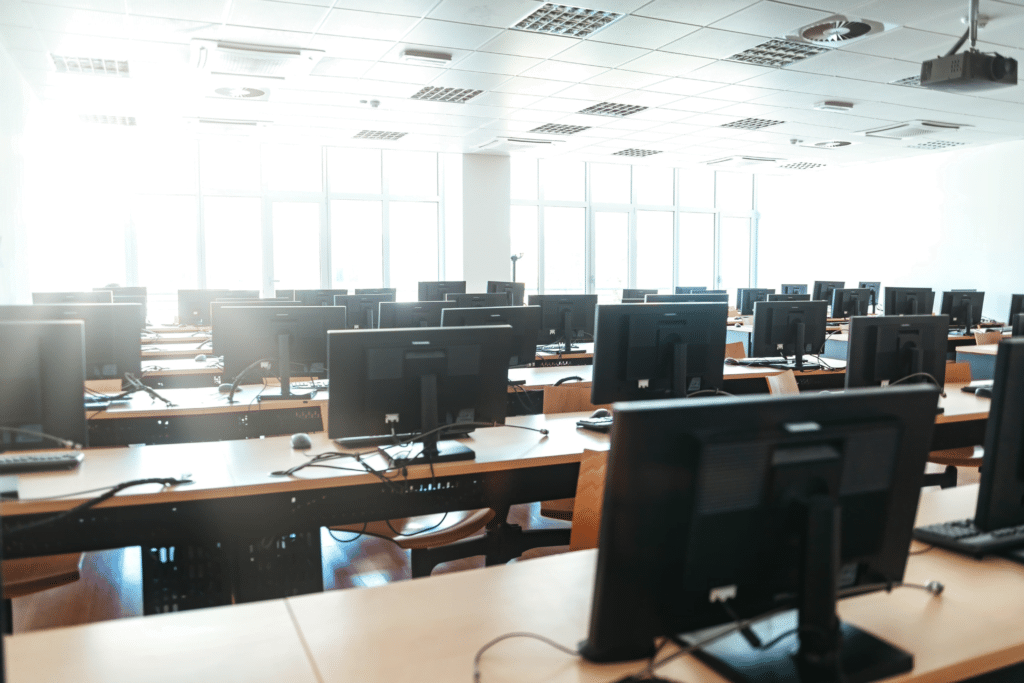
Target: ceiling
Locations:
point(668, 56)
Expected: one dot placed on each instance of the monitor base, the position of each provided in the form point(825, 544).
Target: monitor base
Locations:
point(293, 396)
point(862, 657)
point(447, 451)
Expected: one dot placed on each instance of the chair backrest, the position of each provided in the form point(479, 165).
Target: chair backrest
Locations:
point(958, 372)
point(735, 350)
point(586, 512)
point(782, 383)
point(992, 337)
point(569, 398)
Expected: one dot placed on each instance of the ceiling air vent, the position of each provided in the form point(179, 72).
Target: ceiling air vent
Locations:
point(565, 20)
point(612, 109)
point(751, 124)
point(559, 129)
point(936, 144)
point(231, 126)
point(242, 93)
point(830, 144)
point(910, 81)
point(801, 165)
point(379, 135)
point(90, 65)
point(838, 30)
point(454, 95)
point(242, 59)
point(634, 152)
point(108, 120)
point(777, 53)
point(912, 129)
point(742, 162)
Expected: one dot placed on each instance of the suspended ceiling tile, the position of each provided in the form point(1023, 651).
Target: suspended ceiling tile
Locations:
point(683, 86)
point(170, 30)
point(349, 68)
point(568, 106)
point(501, 14)
point(652, 113)
point(564, 71)
point(645, 98)
point(494, 63)
point(85, 22)
point(714, 43)
point(620, 78)
point(532, 86)
point(473, 80)
point(258, 36)
point(351, 48)
point(728, 72)
point(744, 110)
point(415, 8)
point(642, 32)
point(208, 11)
point(97, 5)
point(21, 38)
point(403, 73)
point(279, 15)
point(450, 34)
point(738, 93)
point(903, 43)
point(600, 54)
point(769, 19)
point(697, 104)
point(16, 14)
point(699, 13)
point(509, 100)
point(528, 44)
point(666, 64)
point(344, 22)
point(583, 91)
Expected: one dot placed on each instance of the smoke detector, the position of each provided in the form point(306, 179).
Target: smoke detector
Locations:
point(838, 30)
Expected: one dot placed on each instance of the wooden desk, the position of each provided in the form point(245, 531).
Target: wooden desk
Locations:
point(165, 351)
point(585, 356)
point(982, 359)
point(837, 345)
point(171, 329)
point(181, 373)
point(176, 338)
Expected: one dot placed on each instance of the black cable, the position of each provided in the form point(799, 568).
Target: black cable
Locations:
point(66, 443)
point(515, 634)
point(928, 376)
point(136, 385)
point(959, 43)
point(238, 378)
point(710, 392)
point(358, 535)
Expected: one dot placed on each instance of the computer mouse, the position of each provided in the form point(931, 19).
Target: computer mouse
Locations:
point(601, 412)
point(738, 325)
point(983, 392)
point(226, 388)
point(301, 441)
point(201, 358)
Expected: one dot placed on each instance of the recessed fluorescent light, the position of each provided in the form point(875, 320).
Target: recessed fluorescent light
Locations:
point(90, 65)
point(612, 109)
point(427, 57)
point(108, 120)
point(751, 124)
point(833, 105)
point(777, 53)
point(565, 20)
point(455, 95)
point(802, 165)
point(936, 144)
point(379, 135)
point(559, 129)
point(634, 152)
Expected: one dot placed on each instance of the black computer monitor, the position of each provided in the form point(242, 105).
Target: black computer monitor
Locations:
point(789, 297)
point(908, 300)
point(194, 304)
point(517, 290)
point(793, 289)
point(848, 302)
point(378, 290)
point(216, 306)
point(410, 314)
point(722, 508)
point(129, 295)
point(103, 296)
point(112, 343)
point(363, 309)
point(292, 340)
point(747, 296)
point(652, 351)
point(409, 382)
point(823, 289)
point(963, 308)
point(1016, 307)
point(565, 318)
point(876, 292)
point(524, 321)
point(637, 293)
point(316, 297)
point(436, 291)
point(1017, 325)
point(788, 329)
point(695, 298)
point(479, 299)
point(42, 372)
point(690, 290)
point(884, 349)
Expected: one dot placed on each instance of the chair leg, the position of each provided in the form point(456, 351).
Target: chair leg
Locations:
point(945, 479)
point(8, 616)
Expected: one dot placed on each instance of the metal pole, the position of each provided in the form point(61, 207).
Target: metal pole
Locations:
point(973, 22)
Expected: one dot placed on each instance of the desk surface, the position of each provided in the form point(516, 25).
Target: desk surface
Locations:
point(980, 350)
point(180, 367)
point(176, 338)
point(391, 633)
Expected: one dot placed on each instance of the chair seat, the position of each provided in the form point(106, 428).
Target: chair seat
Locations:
point(558, 509)
point(456, 526)
point(28, 575)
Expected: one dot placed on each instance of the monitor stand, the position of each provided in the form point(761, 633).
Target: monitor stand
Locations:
point(284, 361)
point(567, 330)
point(679, 370)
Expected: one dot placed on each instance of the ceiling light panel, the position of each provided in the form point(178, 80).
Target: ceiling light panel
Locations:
point(777, 53)
point(612, 109)
point(454, 95)
point(378, 135)
point(559, 129)
point(90, 66)
point(936, 144)
point(751, 124)
point(801, 165)
point(108, 120)
point(634, 152)
point(912, 81)
point(564, 20)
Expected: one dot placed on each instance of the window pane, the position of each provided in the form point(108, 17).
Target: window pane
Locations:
point(564, 250)
point(654, 250)
point(653, 185)
point(524, 178)
point(609, 183)
point(234, 255)
point(413, 238)
point(296, 245)
point(165, 232)
point(357, 244)
point(696, 188)
point(611, 249)
point(411, 174)
point(168, 167)
point(524, 241)
point(734, 191)
point(354, 171)
point(562, 180)
point(735, 265)
point(293, 168)
point(697, 250)
point(229, 165)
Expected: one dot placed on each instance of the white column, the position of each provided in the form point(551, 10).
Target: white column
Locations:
point(486, 219)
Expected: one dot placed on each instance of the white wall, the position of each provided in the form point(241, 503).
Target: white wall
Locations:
point(942, 220)
point(15, 101)
point(486, 220)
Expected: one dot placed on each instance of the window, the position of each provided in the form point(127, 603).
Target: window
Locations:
point(611, 255)
point(357, 244)
point(564, 250)
point(296, 245)
point(654, 250)
point(234, 256)
point(413, 246)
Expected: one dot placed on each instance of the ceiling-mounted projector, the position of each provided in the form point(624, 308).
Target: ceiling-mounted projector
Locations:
point(972, 70)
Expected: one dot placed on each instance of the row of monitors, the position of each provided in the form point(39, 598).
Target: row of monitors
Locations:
point(819, 490)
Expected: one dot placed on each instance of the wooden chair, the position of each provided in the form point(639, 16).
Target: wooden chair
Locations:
point(28, 575)
point(735, 350)
point(956, 373)
point(782, 383)
point(993, 337)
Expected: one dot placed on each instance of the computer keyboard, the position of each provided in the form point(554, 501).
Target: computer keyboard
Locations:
point(320, 385)
point(773, 361)
point(962, 536)
point(40, 462)
point(597, 424)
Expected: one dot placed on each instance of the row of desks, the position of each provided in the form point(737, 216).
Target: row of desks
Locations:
point(430, 629)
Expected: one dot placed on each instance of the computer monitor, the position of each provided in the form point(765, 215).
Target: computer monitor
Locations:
point(722, 508)
point(884, 349)
point(1016, 307)
point(406, 383)
point(479, 300)
point(42, 372)
point(565, 318)
point(746, 297)
point(112, 343)
point(876, 292)
point(524, 321)
point(690, 290)
point(789, 297)
point(363, 309)
point(378, 290)
point(410, 314)
point(194, 304)
point(651, 351)
point(316, 297)
point(104, 296)
point(1017, 329)
point(823, 289)
point(517, 289)
point(848, 302)
point(436, 291)
point(908, 300)
point(216, 306)
point(696, 298)
point(637, 293)
point(963, 308)
point(129, 295)
point(789, 329)
point(291, 339)
point(793, 289)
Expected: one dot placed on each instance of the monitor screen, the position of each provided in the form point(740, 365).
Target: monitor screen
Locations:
point(649, 351)
point(103, 296)
point(823, 289)
point(1016, 307)
point(695, 298)
point(194, 304)
point(849, 302)
point(887, 348)
point(754, 502)
point(565, 318)
point(408, 382)
point(690, 290)
point(908, 301)
point(524, 321)
point(518, 290)
point(963, 308)
point(436, 291)
point(112, 343)
point(790, 329)
point(363, 309)
point(793, 289)
point(316, 297)
point(789, 297)
point(747, 297)
point(637, 293)
point(42, 371)
point(479, 300)
point(1001, 495)
point(411, 314)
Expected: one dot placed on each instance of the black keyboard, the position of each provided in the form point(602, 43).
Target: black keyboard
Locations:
point(962, 536)
point(40, 462)
point(597, 424)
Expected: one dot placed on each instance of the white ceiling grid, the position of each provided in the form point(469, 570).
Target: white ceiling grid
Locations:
point(669, 56)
